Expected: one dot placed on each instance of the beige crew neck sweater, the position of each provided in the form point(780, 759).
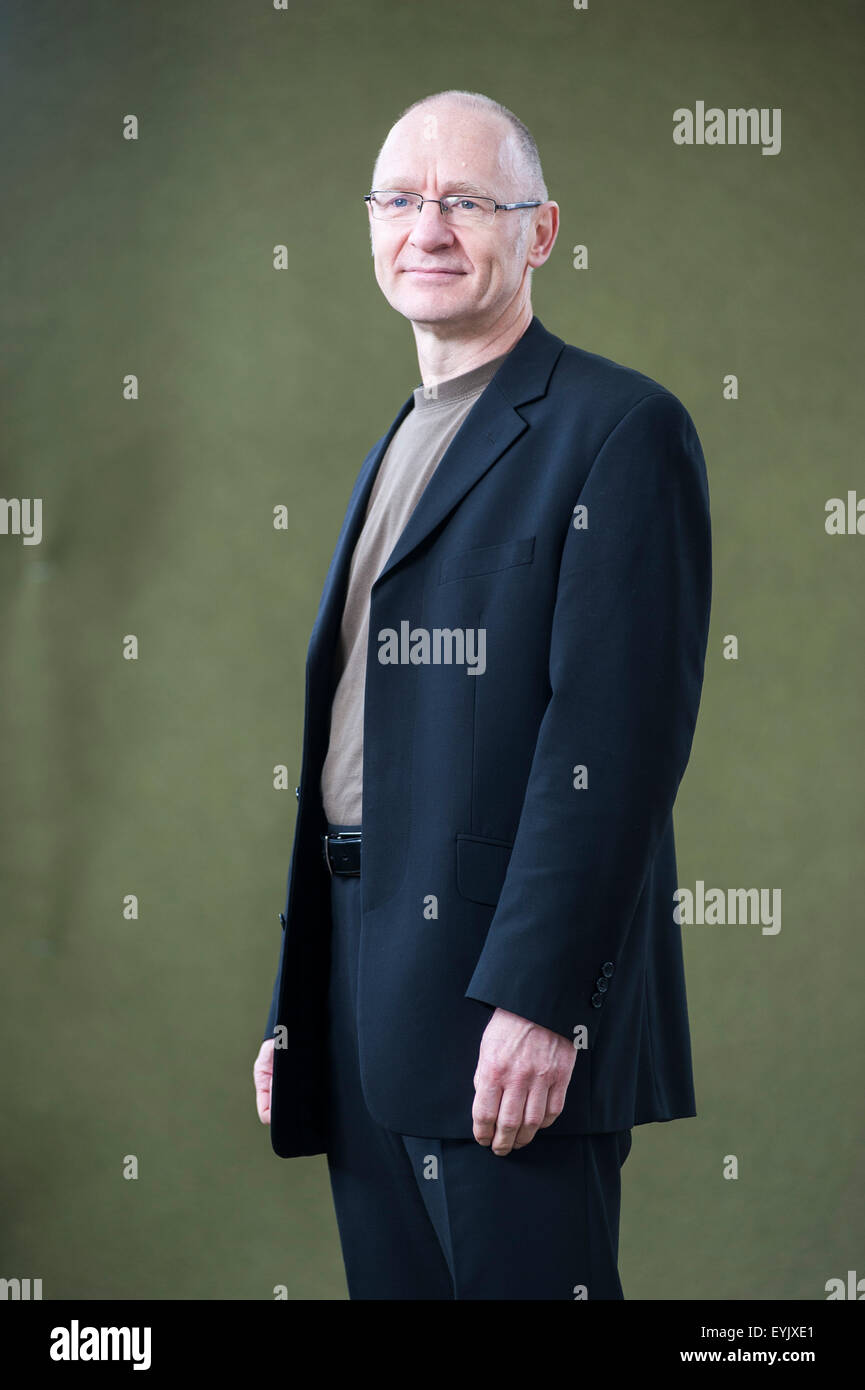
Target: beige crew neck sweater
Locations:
point(409, 462)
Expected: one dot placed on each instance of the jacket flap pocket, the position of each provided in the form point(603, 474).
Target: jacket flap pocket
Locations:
point(481, 867)
point(487, 558)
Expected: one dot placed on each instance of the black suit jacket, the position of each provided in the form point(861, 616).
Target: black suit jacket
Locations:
point(494, 872)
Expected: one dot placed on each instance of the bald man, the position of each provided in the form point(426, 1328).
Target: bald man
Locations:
point(480, 989)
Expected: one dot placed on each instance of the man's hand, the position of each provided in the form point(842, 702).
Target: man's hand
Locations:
point(262, 1075)
point(520, 1083)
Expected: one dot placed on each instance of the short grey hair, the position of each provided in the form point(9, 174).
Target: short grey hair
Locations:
point(527, 160)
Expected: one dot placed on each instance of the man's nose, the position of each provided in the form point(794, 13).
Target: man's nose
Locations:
point(431, 227)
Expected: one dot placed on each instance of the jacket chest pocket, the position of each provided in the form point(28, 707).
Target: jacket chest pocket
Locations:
point(486, 559)
point(481, 867)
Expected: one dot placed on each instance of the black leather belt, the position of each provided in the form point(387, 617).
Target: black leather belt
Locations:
point(341, 853)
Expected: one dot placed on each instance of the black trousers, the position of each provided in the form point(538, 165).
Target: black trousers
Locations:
point(428, 1218)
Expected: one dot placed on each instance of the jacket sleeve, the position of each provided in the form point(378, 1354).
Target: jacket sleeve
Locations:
point(627, 651)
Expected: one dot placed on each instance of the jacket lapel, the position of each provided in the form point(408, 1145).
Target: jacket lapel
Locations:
point(490, 427)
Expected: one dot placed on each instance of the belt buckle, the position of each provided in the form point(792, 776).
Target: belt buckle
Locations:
point(340, 835)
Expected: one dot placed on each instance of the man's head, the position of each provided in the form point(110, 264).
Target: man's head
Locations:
point(445, 275)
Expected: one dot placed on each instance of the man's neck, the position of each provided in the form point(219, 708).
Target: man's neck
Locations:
point(442, 357)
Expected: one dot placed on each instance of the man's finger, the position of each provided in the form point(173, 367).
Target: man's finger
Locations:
point(485, 1110)
point(262, 1076)
point(555, 1103)
point(533, 1115)
point(511, 1110)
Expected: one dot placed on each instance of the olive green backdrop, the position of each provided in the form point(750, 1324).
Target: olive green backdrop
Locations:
point(261, 387)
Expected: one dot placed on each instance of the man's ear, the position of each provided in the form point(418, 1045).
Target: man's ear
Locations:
point(545, 233)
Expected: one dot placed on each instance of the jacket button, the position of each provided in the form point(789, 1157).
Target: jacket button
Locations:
point(297, 792)
point(607, 968)
point(282, 919)
point(597, 1000)
point(601, 983)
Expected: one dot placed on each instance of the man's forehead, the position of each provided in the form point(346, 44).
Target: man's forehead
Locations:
point(462, 146)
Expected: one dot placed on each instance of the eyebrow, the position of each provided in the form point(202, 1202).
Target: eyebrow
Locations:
point(454, 186)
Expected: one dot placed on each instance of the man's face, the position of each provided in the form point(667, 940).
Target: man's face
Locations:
point(427, 269)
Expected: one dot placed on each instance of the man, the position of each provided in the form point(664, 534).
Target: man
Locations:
point(480, 989)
